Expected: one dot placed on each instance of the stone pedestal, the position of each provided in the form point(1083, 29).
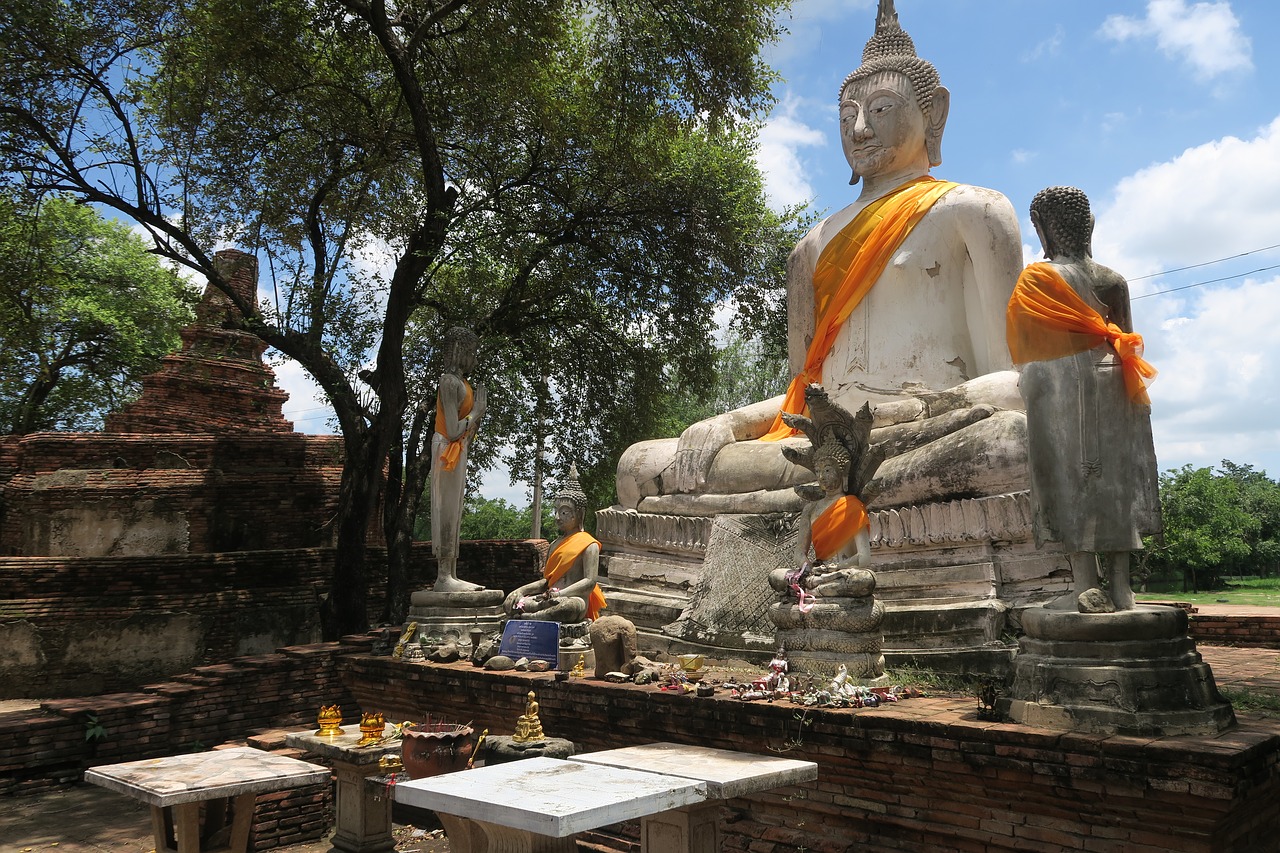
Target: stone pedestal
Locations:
point(362, 819)
point(833, 632)
point(456, 614)
point(1135, 672)
point(500, 749)
point(953, 576)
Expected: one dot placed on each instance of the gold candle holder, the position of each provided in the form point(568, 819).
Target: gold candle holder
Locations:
point(330, 721)
point(371, 728)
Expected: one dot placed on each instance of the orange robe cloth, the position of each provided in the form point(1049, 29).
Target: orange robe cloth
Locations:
point(562, 558)
point(1047, 319)
point(848, 268)
point(453, 452)
point(838, 525)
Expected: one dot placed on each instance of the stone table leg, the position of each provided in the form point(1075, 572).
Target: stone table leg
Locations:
point(692, 829)
point(182, 824)
point(362, 821)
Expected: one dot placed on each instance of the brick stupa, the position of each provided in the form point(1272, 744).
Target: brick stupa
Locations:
point(217, 383)
point(202, 462)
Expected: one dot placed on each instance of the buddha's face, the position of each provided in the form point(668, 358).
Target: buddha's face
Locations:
point(830, 476)
point(882, 128)
point(567, 518)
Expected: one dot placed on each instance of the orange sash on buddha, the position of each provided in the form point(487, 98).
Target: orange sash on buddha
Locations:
point(562, 558)
point(838, 525)
point(453, 452)
point(1046, 319)
point(846, 271)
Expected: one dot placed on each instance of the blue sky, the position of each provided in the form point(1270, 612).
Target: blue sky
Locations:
point(1166, 112)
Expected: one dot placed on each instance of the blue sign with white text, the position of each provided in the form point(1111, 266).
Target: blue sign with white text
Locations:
point(532, 639)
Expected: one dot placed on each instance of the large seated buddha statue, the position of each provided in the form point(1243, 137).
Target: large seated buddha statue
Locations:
point(897, 300)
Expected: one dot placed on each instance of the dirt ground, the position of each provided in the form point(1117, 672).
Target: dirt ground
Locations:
point(89, 819)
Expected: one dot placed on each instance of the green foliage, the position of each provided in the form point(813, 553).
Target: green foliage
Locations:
point(484, 518)
point(496, 519)
point(94, 731)
point(1217, 524)
point(85, 312)
point(574, 180)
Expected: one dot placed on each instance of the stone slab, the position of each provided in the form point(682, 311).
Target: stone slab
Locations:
point(177, 779)
point(341, 747)
point(550, 797)
point(726, 773)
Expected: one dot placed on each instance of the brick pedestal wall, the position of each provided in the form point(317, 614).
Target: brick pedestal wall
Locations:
point(921, 775)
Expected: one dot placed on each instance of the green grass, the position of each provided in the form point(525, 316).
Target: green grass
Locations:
point(1254, 592)
point(1253, 703)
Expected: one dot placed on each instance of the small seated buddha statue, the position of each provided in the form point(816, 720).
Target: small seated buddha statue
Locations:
point(528, 726)
point(567, 592)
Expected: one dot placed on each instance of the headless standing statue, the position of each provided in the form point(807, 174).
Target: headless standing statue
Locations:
point(897, 299)
point(459, 409)
point(1093, 466)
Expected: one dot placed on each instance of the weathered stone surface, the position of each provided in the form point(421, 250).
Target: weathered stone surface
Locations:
point(1128, 672)
point(613, 639)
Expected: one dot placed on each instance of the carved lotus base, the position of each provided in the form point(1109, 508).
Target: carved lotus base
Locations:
point(848, 615)
point(1135, 672)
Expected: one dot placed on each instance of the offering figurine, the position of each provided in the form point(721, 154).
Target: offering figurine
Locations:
point(371, 728)
point(529, 727)
point(330, 721)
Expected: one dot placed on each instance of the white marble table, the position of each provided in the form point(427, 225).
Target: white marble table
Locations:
point(175, 786)
point(362, 822)
point(696, 828)
point(538, 804)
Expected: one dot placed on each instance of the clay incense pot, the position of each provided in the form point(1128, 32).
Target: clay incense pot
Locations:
point(432, 748)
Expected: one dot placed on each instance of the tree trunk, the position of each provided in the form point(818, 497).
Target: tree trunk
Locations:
point(413, 466)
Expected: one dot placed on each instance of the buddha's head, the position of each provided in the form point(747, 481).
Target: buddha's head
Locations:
point(831, 464)
point(893, 107)
point(571, 503)
point(460, 345)
point(1063, 221)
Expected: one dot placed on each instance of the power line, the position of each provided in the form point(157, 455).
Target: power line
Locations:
point(1203, 283)
point(1179, 269)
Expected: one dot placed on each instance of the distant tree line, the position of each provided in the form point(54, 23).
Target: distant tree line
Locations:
point(1217, 523)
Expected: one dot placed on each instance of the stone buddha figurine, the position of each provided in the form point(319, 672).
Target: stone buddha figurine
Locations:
point(460, 406)
point(1094, 483)
point(827, 614)
point(897, 300)
point(567, 592)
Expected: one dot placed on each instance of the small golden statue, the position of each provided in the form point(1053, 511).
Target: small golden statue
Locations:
point(529, 727)
point(580, 668)
point(390, 763)
point(330, 721)
point(371, 728)
point(405, 637)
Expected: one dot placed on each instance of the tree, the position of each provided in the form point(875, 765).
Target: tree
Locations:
point(1206, 526)
point(85, 312)
point(1260, 498)
point(571, 178)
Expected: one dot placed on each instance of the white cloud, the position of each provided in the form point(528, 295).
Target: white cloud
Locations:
point(1050, 46)
point(1206, 36)
point(781, 138)
point(307, 406)
point(1211, 201)
point(1021, 156)
point(1214, 345)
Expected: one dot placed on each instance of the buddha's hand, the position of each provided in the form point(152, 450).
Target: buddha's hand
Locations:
point(697, 449)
